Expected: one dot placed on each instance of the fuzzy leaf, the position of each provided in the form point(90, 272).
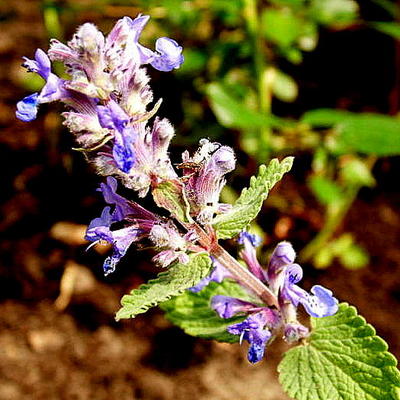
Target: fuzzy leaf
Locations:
point(248, 205)
point(167, 284)
point(191, 311)
point(343, 360)
point(170, 195)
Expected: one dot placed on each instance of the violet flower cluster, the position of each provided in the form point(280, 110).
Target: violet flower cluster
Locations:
point(107, 96)
point(262, 323)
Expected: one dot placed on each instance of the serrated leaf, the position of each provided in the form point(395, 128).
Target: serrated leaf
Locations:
point(191, 311)
point(249, 204)
point(171, 283)
point(343, 360)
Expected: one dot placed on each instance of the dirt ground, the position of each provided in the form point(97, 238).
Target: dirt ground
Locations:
point(69, 346)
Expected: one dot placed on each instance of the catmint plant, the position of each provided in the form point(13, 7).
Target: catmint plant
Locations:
point(202, 288)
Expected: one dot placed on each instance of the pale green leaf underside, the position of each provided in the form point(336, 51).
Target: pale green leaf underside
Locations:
point(191, 311)
point(170, 283)
point(249, 204)
point(343, 360)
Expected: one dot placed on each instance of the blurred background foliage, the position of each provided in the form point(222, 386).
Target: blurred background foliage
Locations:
point(243, 82)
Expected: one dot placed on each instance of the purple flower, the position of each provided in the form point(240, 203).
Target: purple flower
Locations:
point(27, 108)
point(205, 172)
point(253, 329)
point(173, 246)
point(114, 118)
point(282, 256)
point(319, 304)
point(251, 238)
point(293, 332)
point(100, 230)
point(123, 43)
point(227, 307)
point(40, 65)
point(218, 274)
point(256, 328)
point(249, 255)
point(141, 223)
point(53, 89)
point(169, 55)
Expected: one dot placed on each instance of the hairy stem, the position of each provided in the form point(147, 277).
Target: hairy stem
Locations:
point(238, 272)
point(243, 275)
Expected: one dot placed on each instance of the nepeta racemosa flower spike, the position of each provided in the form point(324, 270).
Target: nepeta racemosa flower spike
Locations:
point(108, 97)
point(281, 276)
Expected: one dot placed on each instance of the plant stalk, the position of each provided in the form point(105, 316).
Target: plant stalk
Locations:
point(251, 16)
point(238, 272)
point(334, 217)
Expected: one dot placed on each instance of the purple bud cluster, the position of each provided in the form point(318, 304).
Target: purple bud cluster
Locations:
point(263, 323)
point(107, 97)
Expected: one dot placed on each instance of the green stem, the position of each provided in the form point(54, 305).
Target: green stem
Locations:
point(241, 274)
point(263, 82)
point(334, 217)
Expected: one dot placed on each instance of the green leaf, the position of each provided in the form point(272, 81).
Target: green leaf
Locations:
point(169, 194)
point(389, 28)
point(232, 113)
point(371, 134)
point(281, 26)
point(249, 204)
point(284, 87)
point(350, 254)
point(343, 360)
point(171, 283)
point(334, 12)
point(325, 117)
point(366, 133)
point(325, 190)
point(355, 172)
point(354, 258)
point(191, 311)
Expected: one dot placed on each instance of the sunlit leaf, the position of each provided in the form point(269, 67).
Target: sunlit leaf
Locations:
point(343, 360)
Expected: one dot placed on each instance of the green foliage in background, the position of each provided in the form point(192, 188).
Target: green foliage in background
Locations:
point(237, 54)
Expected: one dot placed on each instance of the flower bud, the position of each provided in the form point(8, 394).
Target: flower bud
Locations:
point(294, 332)
point(283, 254)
